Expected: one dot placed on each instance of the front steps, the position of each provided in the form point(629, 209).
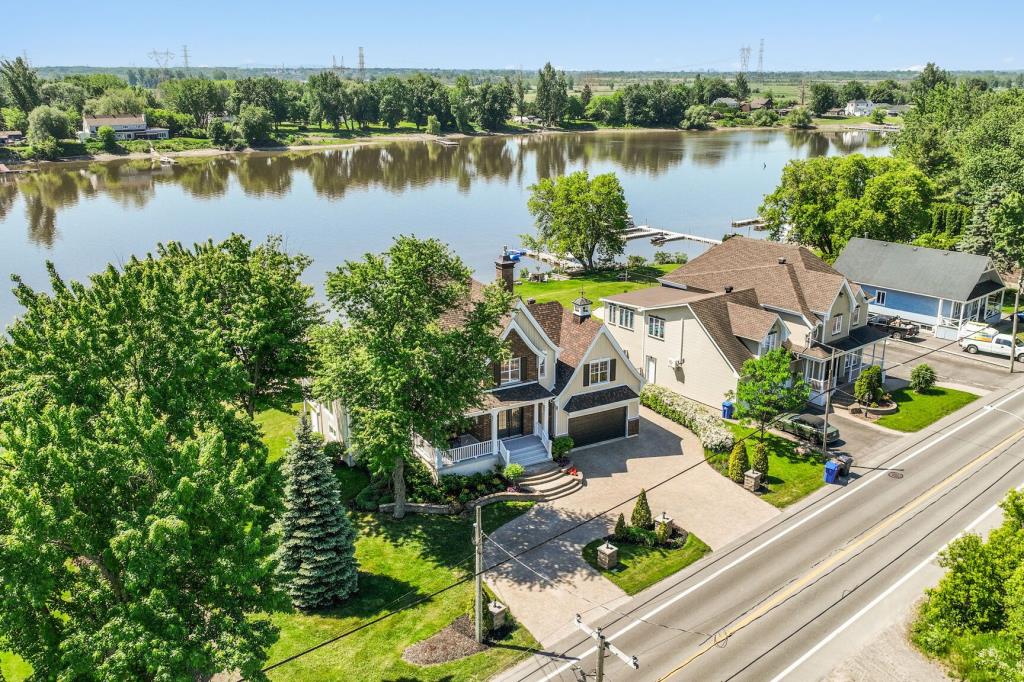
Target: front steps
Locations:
point(547, 480)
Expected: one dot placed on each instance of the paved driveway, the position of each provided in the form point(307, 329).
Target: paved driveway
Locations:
point(553, 582)
point(954, 367)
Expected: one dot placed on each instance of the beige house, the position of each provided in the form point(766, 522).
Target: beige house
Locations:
point(737, 301)
point(566, 375)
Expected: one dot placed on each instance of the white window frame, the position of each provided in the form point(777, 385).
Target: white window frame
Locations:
point(513, 370)
point(611, 313)
point(623, 313)
point(837, 324)
point(855, 318)
point(598, 368)
point(656, 324)
point(770, 343)
point(542, 366)
point(880, 298)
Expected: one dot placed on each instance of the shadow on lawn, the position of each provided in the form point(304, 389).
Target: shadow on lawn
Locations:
point(377, 594)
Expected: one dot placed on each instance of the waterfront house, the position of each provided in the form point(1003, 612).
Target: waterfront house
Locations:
point(939, 290)
point(739, 300)
point(566, 376)
point(125, 126)
point(859, 107)
point(11, 137)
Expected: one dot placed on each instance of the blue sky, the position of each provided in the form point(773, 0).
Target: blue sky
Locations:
point(573, 35)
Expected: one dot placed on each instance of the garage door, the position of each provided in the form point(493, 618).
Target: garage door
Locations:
point(597, 427)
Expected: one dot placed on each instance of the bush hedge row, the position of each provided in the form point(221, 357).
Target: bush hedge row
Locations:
point(711, 430)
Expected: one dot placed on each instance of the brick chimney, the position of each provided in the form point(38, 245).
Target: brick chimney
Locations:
point(505, 270)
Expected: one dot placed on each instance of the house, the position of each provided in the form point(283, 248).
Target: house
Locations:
point(11, 137)
point(760, 103)
point(126, 127)
point(859, 107)
point(730, 102)
point(939, 290)
point(566, 375)
point(737, 301)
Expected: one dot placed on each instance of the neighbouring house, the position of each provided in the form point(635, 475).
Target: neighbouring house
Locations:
point(11, 137)
point(939, 290)
point(566, 375)
point(859, 107)
point(126, 127)
point(761, 103)
point(737, 301)
point(730, 102)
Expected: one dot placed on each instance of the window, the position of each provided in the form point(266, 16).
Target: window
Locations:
point(655, 327)
point(600, 372)
point(510, 371)
point(856, 315)
point(542, 367)
point(611, 313)
point(626, 318)
point(837, 326)
point(770, 342)
point(880, 297)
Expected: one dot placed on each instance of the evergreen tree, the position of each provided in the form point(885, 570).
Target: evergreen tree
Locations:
point(738, 463)
point(641, 517)
point(317, 548)
point(620, 527)
point(761, 459)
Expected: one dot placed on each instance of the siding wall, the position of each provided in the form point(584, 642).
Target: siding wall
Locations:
point(914, 307)
point(603, 348)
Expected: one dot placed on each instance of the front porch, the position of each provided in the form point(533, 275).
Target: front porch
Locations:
point(831, 370)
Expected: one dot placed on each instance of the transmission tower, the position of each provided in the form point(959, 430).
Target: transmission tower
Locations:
point(744, 59)
point(760, 61)
point(362, 64)
point(184, 59)
point(161, 57)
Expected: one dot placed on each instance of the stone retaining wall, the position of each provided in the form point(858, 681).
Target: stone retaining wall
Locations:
point(418, 508)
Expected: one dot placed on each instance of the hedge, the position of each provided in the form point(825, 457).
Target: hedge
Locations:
point(712, 431)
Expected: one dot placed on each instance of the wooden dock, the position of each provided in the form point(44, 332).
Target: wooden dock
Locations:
point(7, 170)
point(446, 143)
point(659, 236)
point(567, 264)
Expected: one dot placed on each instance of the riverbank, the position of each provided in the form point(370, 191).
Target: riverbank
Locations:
point(371, 140)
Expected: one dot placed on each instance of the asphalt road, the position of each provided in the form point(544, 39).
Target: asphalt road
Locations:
point(792, 599)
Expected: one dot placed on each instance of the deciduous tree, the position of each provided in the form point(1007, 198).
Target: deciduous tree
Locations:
point(552, 98)
point(20, 84)
point(47, 123)
point(767, 388)
point(392, 99)
point(823, 97)
point(198, 97)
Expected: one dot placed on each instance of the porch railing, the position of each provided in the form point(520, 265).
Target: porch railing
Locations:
point(440, 458)
point(544, 439)
point(503, 453)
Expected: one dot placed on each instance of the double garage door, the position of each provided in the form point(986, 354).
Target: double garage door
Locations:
point(597, 427)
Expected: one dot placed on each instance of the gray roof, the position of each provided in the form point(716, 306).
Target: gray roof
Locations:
point(917, 270)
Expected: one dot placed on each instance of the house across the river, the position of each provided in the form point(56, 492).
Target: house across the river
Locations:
point(125, 126)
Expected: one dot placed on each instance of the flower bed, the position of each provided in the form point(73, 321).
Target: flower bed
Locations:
point(714, 435)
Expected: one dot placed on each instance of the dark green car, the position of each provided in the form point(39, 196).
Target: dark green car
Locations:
point(806, 427)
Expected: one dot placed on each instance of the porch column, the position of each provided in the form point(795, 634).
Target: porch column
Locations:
point(494, 430)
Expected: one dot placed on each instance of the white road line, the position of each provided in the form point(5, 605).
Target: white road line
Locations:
point(884, 595)
point(786, 531)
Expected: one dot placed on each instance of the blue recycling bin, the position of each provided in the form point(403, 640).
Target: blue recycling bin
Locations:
point(831, 471)
point(727, 409)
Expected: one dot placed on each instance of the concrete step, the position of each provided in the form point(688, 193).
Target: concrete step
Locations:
point(557, 487)
point(539, 479)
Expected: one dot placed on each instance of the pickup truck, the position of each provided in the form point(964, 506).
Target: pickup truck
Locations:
point(996, 344)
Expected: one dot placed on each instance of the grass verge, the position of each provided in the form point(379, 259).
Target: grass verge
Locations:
point(791, 476)
point(918, 410)
point(594, 285)
point(640, 567)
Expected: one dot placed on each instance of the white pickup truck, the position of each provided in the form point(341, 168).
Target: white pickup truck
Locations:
point(986, 341)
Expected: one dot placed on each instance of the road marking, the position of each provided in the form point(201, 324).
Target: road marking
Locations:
point(884, 595)
point(786, 531)
point(824, 567)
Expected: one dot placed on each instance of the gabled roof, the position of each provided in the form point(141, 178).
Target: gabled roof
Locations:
point(729, 317)
point(951, 275)
point(115, 120)
point(784, 276)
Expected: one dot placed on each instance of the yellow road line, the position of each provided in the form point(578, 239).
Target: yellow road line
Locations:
point(809, 577)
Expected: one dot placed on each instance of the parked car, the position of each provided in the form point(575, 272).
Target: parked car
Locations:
point(996, 344)
point(806, 427)
point(896, 327)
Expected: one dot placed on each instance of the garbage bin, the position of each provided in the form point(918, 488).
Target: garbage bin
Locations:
point(845, 462)
point(727, 409)
point(831, 471)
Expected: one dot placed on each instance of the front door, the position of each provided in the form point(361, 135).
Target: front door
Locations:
point(652, 369)
point(510, 423)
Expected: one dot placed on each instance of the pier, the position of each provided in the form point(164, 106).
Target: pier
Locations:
point(659, 236)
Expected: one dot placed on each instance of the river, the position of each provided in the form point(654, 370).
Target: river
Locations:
point(343, 202)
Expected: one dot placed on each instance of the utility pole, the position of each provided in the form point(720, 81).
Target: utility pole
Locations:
point(1016, 309)
point(801, 92)
point(602, 647)
point(828, 401)
point(478, 588)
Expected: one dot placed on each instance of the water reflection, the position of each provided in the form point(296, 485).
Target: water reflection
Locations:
point(396, 167)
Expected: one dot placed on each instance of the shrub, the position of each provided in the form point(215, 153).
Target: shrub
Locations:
point(620, 528)
point(663, 533)
point(561, 446)
point(641, 536)
point(711, 430)
point(514, 471)
point(697, 117)
point(760, 459)
point(738, 463)
point(764, 118)
point(922, 377)
point(868, 389)
point(635, 261)
point(877, 116)
point(107, 137)
point(368, 499)
point(641, 517)
point(666, 257)
point(800, 117)
point(254, 123)
point(433, 125)
point(46, 148)
point(335, 450)
point(175, 122)
point(14, 119)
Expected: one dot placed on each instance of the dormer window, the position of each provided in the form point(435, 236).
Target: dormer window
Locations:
point(837, 325)
point(511, 371)
point(542, 367)
point(771, 342)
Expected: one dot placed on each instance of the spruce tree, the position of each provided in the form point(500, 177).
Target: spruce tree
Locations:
point(738, 463)
point(761, 459)
point(641, 517)
point(620, 528)
point(317, 550)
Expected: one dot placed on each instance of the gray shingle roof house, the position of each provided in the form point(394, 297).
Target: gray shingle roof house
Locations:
point(937, 289)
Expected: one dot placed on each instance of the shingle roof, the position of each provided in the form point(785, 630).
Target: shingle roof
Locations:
point(607, 396)
point(915, 269)
point(803, 283)
point(515, 394)
point(717, 314)
point(656, 297)
point(750, 322)
point(115, 119)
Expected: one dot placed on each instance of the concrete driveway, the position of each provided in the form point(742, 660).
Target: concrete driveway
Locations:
point(553, 582)
point(954, 367)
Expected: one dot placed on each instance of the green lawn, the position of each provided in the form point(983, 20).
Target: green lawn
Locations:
point(594, 285)
point(278, 429)
point(640, 567)
point(918, 410)
point(400, 561)
point(790, 476)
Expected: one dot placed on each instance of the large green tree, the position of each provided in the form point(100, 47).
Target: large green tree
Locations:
point(852, 90)
point(392, 99)
point(580, 216)
point(200, 98)
point(825, 201)
point(20, 84)
point(328, 98)
point(767, 388)
point(136, 504)
point(120, 101)
point(318, 540)
point(552, 98)
point(396, 367)
point(824, 96)
point(492, 103)
point(265, 91)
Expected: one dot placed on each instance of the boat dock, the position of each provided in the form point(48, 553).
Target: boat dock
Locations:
point(567, 264)
point(446, 143)
point(750, 223)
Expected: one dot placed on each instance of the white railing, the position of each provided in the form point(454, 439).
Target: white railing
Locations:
point(503, 453)
point(461, 454)
point(440, 458)
point(544, 439)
